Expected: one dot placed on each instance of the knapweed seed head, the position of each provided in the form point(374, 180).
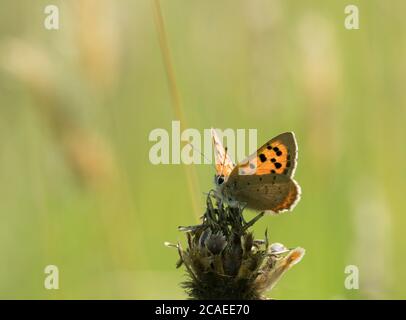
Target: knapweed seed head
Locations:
point(224, 261)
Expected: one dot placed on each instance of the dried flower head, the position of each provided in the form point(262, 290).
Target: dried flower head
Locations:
point(224, 261)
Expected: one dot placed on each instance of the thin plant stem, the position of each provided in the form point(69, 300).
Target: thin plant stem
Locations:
point(190, 172)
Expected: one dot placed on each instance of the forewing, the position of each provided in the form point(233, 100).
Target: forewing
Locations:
point(278, 155)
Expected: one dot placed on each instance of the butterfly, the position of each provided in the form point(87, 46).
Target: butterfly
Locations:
point(264, 180)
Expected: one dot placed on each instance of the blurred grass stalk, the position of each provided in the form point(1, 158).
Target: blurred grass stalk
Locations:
point(190, 172)
point(85, 152)
point(372, 248)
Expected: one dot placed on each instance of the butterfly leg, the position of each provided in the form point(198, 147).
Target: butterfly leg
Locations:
point(241, 207)
point(255, 219)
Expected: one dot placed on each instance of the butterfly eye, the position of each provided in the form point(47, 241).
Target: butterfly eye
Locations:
point(220, 179)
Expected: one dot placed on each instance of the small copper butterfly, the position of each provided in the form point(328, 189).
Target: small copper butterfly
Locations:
point(264, 180)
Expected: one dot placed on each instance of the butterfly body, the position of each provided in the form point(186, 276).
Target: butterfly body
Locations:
point(264, 181)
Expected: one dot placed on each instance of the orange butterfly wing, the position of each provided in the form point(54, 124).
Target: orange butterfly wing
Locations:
point(279, 155)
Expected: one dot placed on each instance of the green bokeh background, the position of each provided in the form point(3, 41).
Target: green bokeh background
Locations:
point(77, 189)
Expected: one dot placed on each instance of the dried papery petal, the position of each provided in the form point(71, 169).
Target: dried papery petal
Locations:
point(277, 248)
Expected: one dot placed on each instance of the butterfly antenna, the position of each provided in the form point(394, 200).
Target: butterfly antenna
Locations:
point(201, 153)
